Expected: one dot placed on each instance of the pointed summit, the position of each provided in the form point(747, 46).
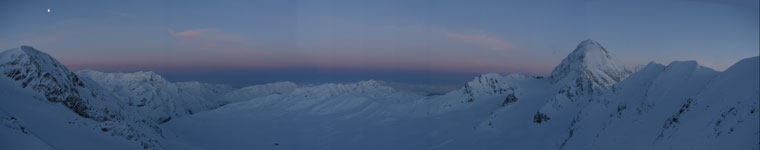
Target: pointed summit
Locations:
point(588, 66)
point(26, 56)
point(589, 42)
point(591, 46)
point(588, 54)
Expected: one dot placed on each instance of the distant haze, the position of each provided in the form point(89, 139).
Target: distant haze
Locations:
point(419, 82)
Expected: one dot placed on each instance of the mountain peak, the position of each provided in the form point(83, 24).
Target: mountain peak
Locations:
point(139, 76)
point(589, 49)
point(33, 52)
point(27, 54)
point(27, 47)
point(591, 62)
point(589, 42)
point(37, 70)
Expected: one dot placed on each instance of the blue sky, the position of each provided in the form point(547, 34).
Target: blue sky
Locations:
point(440, 38)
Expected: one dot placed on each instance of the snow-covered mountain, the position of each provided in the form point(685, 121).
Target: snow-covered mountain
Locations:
point(577, 107)
point(30, 71)
point(682, 106)
point(150, 93)
point(38, 71)
point(127, 105)
point(588, 102)
point(589, 66)
point(255, 91)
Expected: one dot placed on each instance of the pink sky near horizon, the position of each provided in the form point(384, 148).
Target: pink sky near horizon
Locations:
point(213, 49)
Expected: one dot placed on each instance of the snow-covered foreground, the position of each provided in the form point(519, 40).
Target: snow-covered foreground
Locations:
point(588, 102)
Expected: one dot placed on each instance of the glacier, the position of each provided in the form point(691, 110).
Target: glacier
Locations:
point(589, 101)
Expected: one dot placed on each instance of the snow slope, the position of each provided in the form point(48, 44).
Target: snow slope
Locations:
point(686, 106)
point(29, 121)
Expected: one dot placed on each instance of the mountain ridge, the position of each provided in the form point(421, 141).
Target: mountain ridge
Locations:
point(588, 98)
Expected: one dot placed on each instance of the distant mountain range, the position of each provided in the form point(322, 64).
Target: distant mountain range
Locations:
point(589, 101)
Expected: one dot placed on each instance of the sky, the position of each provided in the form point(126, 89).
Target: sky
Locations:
point(410, 41)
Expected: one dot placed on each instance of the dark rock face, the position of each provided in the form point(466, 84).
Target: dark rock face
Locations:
point(540, 117)
point(511, 98)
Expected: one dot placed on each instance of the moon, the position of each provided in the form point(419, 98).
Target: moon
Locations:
point(48, 9)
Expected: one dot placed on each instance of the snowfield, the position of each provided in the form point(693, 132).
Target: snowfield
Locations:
point(589, 101)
